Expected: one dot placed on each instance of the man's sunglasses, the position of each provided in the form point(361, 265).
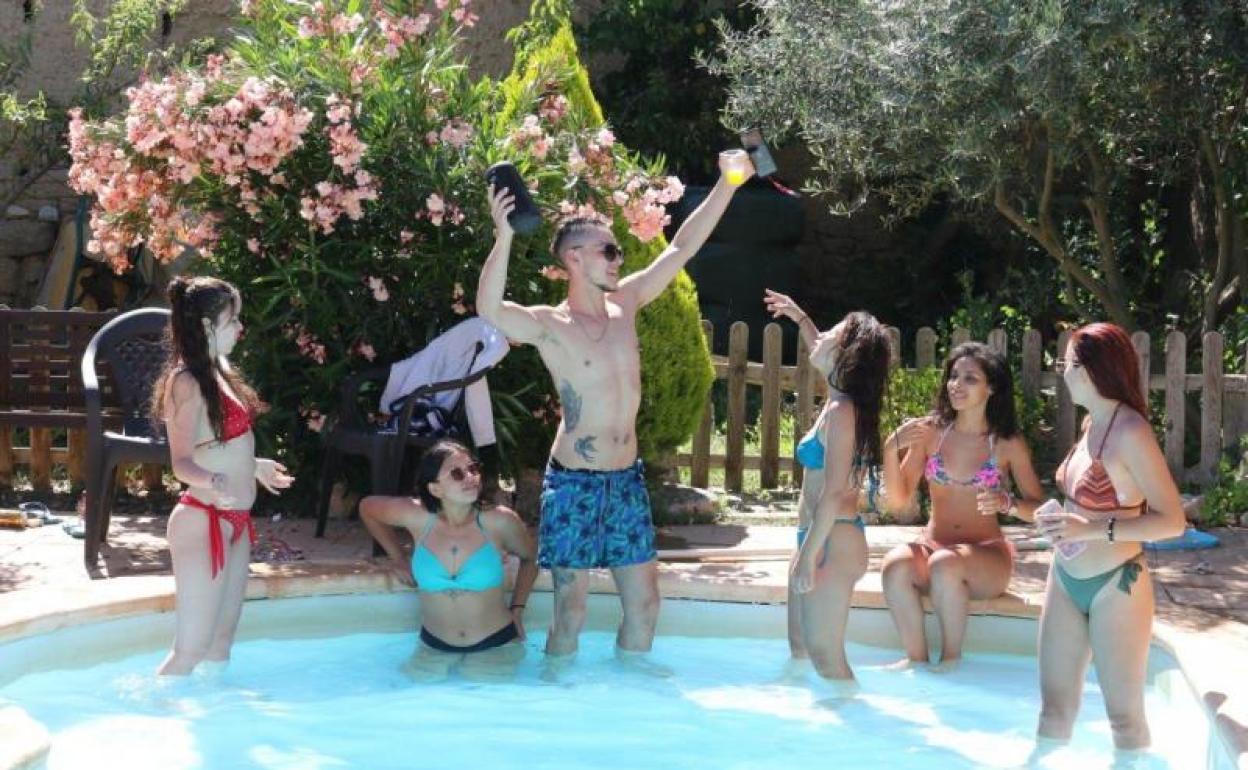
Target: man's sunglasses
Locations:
point(459, 474)
point(610, 252)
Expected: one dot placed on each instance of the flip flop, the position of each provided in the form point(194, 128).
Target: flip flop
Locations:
point(37, 510)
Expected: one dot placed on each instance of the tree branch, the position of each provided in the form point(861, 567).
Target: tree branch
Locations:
point(1117, 311)
point(1223, 216)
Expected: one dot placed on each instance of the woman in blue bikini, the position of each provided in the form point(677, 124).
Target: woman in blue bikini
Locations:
point(841, 448)
point(966, 451)
point(457, 560)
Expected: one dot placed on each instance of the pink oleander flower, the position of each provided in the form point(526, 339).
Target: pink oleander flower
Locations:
point(576, 161)
point(310, 347)
point(413, 27)
point(315, 421)
point(436, 208)
point(365, 350)
point(569, 210)
point(554, 273)
point(253, 245)
point(553, 108)
point(345, 146)
point(458, 306)
point(338, 111)
point(456, 133)
point(673, 190)
point(645, 220)
point(605, 138)
point(378, 287)
point(345, 25)
point(309, 27)
point(406, 236)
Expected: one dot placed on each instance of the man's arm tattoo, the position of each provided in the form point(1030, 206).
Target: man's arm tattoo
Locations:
point(571, 402)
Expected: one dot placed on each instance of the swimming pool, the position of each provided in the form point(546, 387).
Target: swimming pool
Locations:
point(316, 683)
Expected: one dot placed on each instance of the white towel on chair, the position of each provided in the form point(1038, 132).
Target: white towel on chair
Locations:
point(447, 357)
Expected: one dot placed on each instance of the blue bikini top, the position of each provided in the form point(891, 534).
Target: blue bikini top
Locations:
point(810, 449)
point(481, 571)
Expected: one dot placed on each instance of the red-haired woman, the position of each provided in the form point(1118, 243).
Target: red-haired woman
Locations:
point(1119, 495)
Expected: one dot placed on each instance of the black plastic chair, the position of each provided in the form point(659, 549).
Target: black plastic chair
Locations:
point(132, 345)
point(385, 449)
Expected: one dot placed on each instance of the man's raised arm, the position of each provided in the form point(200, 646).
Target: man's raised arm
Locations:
point(518, 322)
point(647, 284)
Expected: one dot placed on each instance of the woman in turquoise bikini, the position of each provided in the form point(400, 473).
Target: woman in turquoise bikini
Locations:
point(457, 560)
point(1119, 494)
point(966, 451)
point(841, 448)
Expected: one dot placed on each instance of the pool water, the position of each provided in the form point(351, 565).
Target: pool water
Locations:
point(344, 702)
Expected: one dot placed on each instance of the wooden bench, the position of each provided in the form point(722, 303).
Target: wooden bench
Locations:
point(41, 389)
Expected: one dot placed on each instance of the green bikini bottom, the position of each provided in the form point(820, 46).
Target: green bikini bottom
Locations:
point(1083, 590)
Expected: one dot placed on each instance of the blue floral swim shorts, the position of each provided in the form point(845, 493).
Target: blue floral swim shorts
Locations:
point(594, 518)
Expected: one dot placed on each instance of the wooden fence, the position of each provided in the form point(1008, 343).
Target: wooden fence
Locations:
point(1223, 410)
point(41, 449)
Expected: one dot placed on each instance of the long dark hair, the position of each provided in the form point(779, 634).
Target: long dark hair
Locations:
point(1106, 353)
point(430, 467)
point(860, 371)
point(190, 301)
point(1000, 412)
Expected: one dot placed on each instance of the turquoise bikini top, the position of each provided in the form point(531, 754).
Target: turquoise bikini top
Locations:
point(810, 450)
point(481, 571)
point(810, 453)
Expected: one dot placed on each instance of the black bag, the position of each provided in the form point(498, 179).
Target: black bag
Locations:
point(428, 419)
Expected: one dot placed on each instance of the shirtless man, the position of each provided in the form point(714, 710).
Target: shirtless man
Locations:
point(595, 510)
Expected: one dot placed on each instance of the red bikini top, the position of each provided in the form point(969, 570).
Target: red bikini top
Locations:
point(235, 416)
point(1094, 489)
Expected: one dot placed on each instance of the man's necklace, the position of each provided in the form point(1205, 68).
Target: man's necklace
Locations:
point(606, 324)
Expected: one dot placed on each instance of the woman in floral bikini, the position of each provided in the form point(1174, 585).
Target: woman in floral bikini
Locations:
point(965, 451)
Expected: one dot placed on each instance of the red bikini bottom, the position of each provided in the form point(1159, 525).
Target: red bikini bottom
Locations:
point(216, 546)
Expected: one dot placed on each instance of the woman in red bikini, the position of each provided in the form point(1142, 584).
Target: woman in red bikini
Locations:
point(208, 409)
point(966, 451)
point(1119, 495)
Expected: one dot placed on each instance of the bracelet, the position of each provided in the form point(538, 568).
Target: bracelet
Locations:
point(1109, 528)
point(1009, 502)
point(521, 606)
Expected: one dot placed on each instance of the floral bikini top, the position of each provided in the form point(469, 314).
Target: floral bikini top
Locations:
point(987, 477)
